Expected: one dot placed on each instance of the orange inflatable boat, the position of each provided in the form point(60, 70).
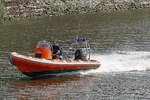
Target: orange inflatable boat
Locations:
point(43, 64)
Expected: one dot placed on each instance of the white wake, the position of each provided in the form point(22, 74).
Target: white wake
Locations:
point(122, 61)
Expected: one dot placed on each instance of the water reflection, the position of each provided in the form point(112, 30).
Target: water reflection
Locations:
point(106, 32)
point(63, 87)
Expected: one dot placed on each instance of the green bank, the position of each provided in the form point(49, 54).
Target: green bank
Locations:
point(29, 8)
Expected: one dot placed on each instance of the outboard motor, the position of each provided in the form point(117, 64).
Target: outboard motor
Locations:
point(43, 50)
point(80, 54)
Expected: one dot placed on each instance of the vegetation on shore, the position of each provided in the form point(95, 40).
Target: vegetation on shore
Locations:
point(28, 8)
point(2, 11)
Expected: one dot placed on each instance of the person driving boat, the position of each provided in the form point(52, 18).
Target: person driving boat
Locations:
point(56, 50)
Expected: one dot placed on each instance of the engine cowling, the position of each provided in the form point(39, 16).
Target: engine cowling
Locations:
point(43, 50)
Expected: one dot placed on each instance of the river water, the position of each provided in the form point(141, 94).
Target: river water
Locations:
point(119, 40)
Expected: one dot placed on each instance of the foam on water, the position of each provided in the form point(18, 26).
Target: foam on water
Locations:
point(122, 61)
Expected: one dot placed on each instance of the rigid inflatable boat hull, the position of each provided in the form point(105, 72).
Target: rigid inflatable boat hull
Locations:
point(34, 67)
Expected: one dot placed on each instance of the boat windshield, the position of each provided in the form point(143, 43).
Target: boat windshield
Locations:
point(43, 44)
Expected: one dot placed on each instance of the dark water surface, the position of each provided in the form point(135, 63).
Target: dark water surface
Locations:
point(119, 40)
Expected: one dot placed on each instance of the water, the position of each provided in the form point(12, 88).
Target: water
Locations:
point(119, 40)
